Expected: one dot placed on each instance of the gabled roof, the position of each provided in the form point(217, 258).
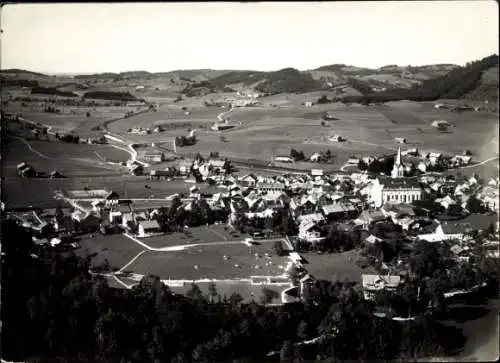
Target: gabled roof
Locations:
point(370, 280)
point(149, 224)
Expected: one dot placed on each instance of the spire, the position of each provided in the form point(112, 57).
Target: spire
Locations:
point(398, 157)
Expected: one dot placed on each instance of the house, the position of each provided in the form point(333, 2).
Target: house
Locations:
point(185, 166)
point(161, 174)
point(249, 180)
point(137, 170)
point(400, 140)
point(270, 187)
point(446, 202)
point(26, 171)
point(457, 230)
point(489, 197)
point(313, 217)
point(149, 228)
point(221, 126)
point(316, 157)
point(310, 232)
point(283, 159)
point(371, 239)
point(336, 138)
point(353, 161)
point(87, 223)
point(368, 217)
point(218, 165)
point(461, 253)
point(339, 210)
point(374, 283)
point(308, 104)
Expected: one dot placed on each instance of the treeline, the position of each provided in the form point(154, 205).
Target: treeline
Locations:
point(19, 82)
point(288, 80)
point(453, 85)
point(245, 77)
point(51, 91)
point(107, 95)
point(53, 307)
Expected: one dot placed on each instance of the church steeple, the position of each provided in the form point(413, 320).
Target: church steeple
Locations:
point(398, 168)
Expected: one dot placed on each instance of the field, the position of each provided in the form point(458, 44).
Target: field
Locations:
point(180, 265)
point(338, 266)
point(117, 248)
point(202, 234)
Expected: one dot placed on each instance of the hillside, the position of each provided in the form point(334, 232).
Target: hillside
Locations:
point(477, 80)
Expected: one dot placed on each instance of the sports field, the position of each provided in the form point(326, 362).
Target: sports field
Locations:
point(207, 262)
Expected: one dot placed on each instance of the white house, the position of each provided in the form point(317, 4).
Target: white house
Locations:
point(283, 159)
point(310, 232)
point(315, 157)
point(374, 283)
point(308, 103)
point(149, 228)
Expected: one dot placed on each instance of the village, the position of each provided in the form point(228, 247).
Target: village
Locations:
point(285, 220)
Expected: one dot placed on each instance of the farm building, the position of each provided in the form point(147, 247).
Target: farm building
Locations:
point(283, 159)
point(161, 174)
point(310, 232)
point(150, 156)
point(329, 116)
point(353, 161)
point(308, 103)
point(26, 171)
point(374, 283)
point(92, 194)
point(220, 126)
point(336, 138)
point(440, 124)
point(317, 172)
point(400, 140)
point(149, 229)
point(316, 157)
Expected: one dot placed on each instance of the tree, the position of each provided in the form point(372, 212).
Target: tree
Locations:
point(286, 352)
point(88, 114)
point(268, 295)
point(474, 205)
point(278, 248)
point(194, 292)
point(212, 291)
point(362, 165)
point(375, 167)
point(235, 299)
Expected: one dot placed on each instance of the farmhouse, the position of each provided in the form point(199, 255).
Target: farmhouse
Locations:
point(315, 157)
point(374, 283)
point(400, 140)
point(308, 103)
point(149, 228)
point(220, 126)
point(92, 194)
point(317, 172)
point(336, 138)
point(283, 159)
point(339, 210)
point(310, 232)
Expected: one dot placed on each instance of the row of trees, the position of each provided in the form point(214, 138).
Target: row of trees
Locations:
point(377, 166)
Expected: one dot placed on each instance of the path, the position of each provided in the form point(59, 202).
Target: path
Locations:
point(479, 164)
point(31, 148)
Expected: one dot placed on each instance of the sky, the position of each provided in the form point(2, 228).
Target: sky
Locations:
point(160, 37)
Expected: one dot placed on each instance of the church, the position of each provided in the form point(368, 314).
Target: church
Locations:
point(396, 189)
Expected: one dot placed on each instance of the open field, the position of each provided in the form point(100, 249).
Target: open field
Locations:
point(179, 265)
point(202, 234)
point(335, 265)
point(68, 159)
point(117, 248)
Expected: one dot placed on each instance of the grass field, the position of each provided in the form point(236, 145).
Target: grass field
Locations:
point(117, 248)
point(202, 234)
point(338, 266)
point(211, 264)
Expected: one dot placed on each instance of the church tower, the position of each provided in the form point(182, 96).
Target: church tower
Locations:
point(398, 168)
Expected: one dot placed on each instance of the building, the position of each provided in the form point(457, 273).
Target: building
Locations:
point(339, 210)
point(400, 140)
point(374, 283)
point(283, 159)
point(308, 104)
point(317, 172)
point(221, 126)
point(150, 156)
point(316, 157)
point(149, 228)
point(270, 187)
point(310, 232)
point(399, 190)
point(336, 138)
point(398, 168)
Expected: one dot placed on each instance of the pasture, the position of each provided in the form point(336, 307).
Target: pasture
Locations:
point(117, 249)
point(241, 262)
point(265, 132)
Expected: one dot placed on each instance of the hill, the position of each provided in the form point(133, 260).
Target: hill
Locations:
point(476, 79)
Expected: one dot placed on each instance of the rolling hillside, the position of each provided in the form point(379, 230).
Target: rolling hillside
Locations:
point(477, 80)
